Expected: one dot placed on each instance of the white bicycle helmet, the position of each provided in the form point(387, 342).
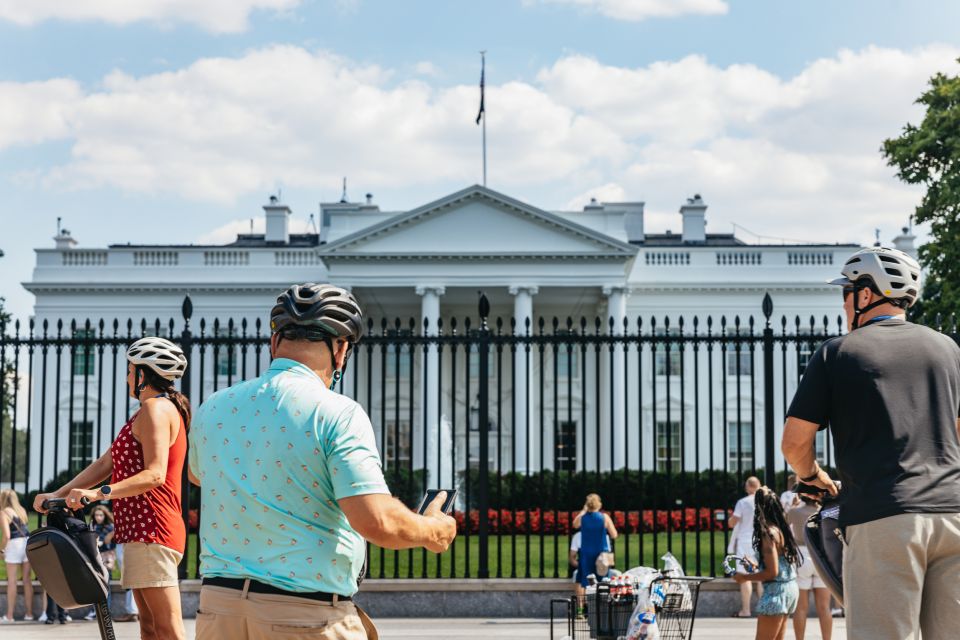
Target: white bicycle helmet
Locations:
point(893, 273)
point(160, 355)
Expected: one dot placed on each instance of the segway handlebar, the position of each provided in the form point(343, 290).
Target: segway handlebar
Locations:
point(60, 503)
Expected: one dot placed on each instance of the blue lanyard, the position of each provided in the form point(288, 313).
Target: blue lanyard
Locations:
point(876, 319)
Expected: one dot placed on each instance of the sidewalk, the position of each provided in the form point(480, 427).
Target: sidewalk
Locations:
point(448, 629)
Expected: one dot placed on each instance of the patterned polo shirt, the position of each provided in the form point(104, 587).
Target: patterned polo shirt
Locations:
point(273, 455)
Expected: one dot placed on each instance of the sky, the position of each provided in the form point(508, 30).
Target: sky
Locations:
point(171, 121)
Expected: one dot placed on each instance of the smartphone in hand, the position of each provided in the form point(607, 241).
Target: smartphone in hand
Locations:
point(432, 494)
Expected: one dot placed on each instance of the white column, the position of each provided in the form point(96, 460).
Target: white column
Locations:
point(617, 309)
point(429, 370)
point(527, 436)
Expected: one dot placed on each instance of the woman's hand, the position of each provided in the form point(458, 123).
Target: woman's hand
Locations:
point(76, 496)
point(40, 499)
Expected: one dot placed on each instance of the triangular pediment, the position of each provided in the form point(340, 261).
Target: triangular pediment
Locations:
point(477, 222)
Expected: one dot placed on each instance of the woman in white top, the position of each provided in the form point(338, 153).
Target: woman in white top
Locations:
point(14, 531)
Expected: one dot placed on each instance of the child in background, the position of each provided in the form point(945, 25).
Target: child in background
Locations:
point(779, 557)
point(101, 521)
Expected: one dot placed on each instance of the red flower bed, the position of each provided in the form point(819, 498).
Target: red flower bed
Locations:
point(505, 521)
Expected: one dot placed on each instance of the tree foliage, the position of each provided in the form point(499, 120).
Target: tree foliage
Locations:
point(7, 431)
point(929, 155)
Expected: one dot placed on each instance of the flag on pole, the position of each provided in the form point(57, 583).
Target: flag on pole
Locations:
point(482, 69)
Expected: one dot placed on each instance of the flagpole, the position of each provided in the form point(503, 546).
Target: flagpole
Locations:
point(483, 65)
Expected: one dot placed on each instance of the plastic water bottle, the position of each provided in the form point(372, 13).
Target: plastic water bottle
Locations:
point(647, 620)
point(658, 594)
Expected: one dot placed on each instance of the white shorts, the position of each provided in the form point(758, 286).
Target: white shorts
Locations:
point(807, 576)
point(744, 549)
point(16, 551)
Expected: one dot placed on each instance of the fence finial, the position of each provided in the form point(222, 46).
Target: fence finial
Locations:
point(484, 309)
point(767, 307)
point(187, 308)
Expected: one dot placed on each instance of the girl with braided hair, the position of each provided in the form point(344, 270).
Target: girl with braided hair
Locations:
point(779, 556)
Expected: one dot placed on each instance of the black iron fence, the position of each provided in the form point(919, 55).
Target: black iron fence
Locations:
point(664, 417)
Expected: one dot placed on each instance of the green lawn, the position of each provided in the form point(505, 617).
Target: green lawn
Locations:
point(546, 557)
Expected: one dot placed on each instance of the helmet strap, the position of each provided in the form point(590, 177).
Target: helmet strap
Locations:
point(857, 311)
point(139, 381)
point(337, 372)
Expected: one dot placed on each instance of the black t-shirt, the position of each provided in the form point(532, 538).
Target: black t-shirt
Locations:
point(890, 393)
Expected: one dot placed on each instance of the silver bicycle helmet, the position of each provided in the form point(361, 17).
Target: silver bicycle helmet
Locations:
point(895, 274)
point(317, 312)
point(891, 273)
point(162, 356)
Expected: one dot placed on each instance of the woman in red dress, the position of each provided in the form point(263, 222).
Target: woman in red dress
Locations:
point(142, 472)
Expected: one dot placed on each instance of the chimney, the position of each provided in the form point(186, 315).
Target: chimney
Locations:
point(369, 199)
point(694, 221)
point(904, 242)
point(63, 240)
point(278, 221)
point(633, 220)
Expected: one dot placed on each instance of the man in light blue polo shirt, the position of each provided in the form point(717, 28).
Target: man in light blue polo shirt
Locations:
point(292, 485)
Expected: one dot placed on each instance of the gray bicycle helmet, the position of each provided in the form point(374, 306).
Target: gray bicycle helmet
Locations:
point(317, 312)
point(890, 272)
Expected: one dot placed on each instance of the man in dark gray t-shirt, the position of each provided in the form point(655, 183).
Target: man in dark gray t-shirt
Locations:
point(889, 391)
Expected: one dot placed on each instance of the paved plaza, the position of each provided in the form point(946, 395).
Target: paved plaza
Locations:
point(448, 629)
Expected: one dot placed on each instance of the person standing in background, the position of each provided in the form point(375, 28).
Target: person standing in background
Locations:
point(789, 498)
point(594, 528)
point(808, 580)
point(14, 532)
point(741, 542)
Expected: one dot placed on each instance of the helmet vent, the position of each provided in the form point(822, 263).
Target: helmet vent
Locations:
point(884, 258)
point(894, 272)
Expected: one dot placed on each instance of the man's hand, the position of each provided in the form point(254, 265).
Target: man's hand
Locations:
point(824, 482)
point(445, 527)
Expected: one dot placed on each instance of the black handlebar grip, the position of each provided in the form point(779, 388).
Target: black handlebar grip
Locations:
point(60, 503)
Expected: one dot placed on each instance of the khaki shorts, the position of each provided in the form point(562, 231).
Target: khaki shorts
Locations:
point(149, 565)
point(232, 614)
point(901, 572)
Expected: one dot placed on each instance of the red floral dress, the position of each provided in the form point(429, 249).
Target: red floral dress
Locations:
point(154, 517)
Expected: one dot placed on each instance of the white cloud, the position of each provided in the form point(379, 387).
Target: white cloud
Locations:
point(218, 16)
point(33, 112)
point(796, 157)
point(426, 68)
point(228, 232)
point(223, 127)
point(610, 192)
point(789, 156)
point(636, 10)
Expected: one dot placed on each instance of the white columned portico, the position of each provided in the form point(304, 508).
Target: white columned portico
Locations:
point(526, 435)
point(617, 309)
point(429, 370)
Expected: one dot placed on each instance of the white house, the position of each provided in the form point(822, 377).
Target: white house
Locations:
point(430, 262)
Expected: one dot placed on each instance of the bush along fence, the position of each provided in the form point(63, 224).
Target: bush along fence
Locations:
point(664, 417)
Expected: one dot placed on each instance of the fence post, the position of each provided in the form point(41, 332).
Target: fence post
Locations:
point(484, 428)
point(770, 472)
point(186, 343)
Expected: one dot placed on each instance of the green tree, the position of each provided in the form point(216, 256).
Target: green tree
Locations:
point(929, 155)
point(8, 434)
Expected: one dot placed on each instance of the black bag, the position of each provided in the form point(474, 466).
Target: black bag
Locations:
point(65, 556)
point(824, 539)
